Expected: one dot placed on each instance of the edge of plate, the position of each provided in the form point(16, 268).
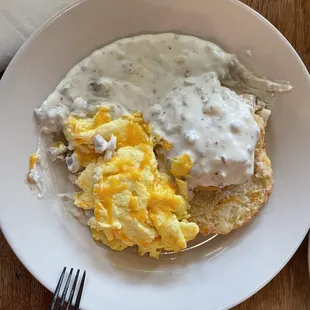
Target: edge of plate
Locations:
point(2, 81)
point(302, 237)
point(38, 31)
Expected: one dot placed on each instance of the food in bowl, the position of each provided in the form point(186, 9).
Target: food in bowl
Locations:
point(164, 136)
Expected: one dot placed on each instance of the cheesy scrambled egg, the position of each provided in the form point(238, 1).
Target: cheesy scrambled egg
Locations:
point(133, 203)
point(33, 161)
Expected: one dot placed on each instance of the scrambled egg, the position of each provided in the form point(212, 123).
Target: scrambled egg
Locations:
point(181, 165)
point(129, 130)
point(133, 203)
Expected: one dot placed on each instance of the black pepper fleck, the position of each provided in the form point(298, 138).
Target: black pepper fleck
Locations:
point(17, 275)
point(156, 113)
point(95, 86)
point(223, 159)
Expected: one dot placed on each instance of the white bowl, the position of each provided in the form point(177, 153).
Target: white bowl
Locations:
point(222, 272)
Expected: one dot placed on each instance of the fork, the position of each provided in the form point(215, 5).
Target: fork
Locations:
point(59, 303)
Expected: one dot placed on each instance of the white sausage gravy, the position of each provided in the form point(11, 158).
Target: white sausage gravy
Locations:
point(176, 81)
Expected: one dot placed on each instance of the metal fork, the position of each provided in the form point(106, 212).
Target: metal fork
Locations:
point(59, 303)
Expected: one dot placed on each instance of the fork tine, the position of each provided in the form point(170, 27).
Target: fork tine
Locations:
point(58, 289)
point(64, 293)
point(72, 290)
point(79, 295)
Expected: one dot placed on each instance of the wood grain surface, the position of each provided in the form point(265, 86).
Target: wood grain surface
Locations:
point(289, 290)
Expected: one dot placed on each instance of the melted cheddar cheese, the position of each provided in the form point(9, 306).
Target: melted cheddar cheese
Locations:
point(133, 203)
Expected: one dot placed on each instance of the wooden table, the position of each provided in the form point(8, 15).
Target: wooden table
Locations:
point(290, 290)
